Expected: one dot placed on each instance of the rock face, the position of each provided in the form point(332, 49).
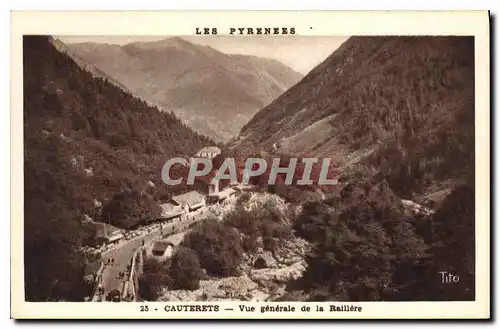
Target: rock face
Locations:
point(264, 274)
point(415, 208)
point(255, 284)
point(280, 275)
point(291, 252)
point(232, 288)
point(264, 261)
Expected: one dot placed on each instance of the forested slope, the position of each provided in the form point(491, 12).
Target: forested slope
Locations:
point(86, 142)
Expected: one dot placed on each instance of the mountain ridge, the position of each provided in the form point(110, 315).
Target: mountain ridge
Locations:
point(380, 101)
point(86, 143)
point(213, 92)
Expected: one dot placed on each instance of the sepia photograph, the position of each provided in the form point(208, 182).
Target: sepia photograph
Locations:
point(250, 164)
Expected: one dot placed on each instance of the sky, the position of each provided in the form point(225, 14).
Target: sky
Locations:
point(301, 53)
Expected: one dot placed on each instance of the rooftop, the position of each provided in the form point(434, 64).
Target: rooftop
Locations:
point(105, 230)
point(162, 245)
point(224, 193)
point(190, 198)
point(242, 187)
point(209, 149)
point(170, 209)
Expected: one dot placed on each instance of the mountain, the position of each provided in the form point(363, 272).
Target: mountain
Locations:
point(60, 46)
point(87, 144)
point(212, 92)
point(402, 107)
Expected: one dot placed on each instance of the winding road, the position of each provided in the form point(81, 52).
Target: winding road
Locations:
point(123, 253)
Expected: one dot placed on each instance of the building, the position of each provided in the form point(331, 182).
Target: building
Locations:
point(163, 248)
point(225, 194)
point(244, 188)
point(209, 152)
point(190, 201)
point(172, 211)
point(106, 234)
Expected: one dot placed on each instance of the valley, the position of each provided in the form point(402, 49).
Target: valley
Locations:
point(394, 117)
point(212, 92)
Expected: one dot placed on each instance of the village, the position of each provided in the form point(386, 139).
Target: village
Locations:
point(178, 209)
point(122, 253)
point(177, 215)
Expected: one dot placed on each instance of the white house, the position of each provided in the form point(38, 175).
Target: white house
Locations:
point(190, 201)
point(163, 248)
point(208, 152)
point(225, 194)
point(244, 188)
point(105, 233)
point(172, 211)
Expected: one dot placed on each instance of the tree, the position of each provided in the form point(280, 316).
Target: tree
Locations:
point(152, 279)
point(61, 97)
point(218, 247)
point(453, 246)
point(314, 220)
point(251, 243)
point(185, 270)
point(52, 232)
point(129, 208)
point(368, 250)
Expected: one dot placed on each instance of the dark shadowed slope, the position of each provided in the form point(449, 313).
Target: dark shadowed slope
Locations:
point(85, 142)
point(213, 92)
point(401, 105)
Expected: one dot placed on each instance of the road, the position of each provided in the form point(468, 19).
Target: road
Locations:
point(122, 255)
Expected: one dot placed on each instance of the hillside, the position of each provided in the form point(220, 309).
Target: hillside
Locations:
point(400, 106)
point(213, 92)
point(86, 143)
point(96, 72)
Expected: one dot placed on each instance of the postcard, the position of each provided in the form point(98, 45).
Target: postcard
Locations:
point(250, 165)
